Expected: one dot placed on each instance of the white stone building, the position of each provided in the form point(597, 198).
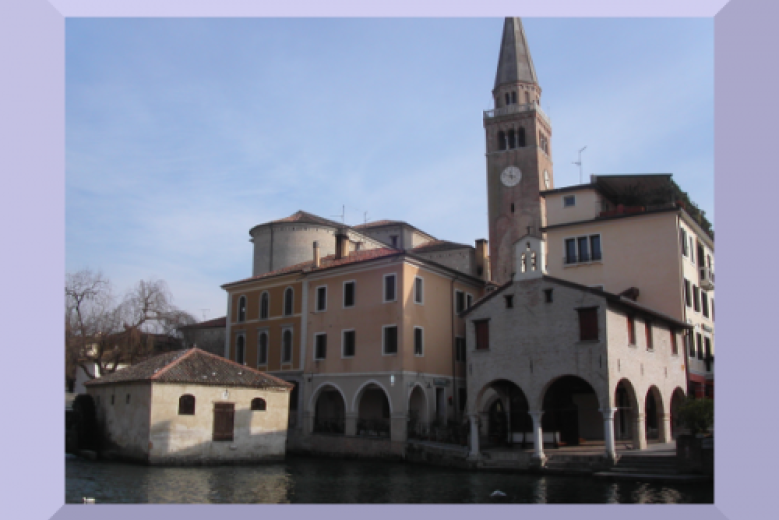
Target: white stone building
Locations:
point(551, 356)
point(190, 406)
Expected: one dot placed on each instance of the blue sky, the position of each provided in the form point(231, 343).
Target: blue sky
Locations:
point(182, 134)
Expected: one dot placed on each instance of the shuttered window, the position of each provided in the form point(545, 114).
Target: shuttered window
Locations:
point(588, 324)
point(482, 334)
point(224, 419)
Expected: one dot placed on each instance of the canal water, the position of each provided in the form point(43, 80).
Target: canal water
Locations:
point(299, 480)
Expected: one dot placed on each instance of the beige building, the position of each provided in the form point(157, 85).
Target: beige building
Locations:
point(190, 406)
point(370, 336)
point(556, 362)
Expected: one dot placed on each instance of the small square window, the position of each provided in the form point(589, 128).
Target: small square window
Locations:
point(389, 288)
point(509, 301)
point(569, 201)
point(320, 346)
point(548, 295)
point(391, 339)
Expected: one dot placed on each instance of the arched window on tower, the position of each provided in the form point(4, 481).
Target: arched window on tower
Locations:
point(508, 99)
point(527, 97)
point(523, 262)
point(289, 297)
point(264, 306)
point(521, 137)
point(501, 140)
point(512, 141)
point(513, 97)
point(242, 308)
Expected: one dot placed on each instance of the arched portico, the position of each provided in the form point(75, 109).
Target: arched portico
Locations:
point(572, 411)
point(418, 415)
point(677, 399)
point(655, 418)
point(373, 407)
point(329, 409)
point(502, 409)
point(627, 412)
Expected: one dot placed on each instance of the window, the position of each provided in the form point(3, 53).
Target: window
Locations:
point(390, 339)
point(419, 292)
point(687, 296)
point(468, 301)
point(348, 343)
point(240, 350)
point(127, 399)
point(462, 397)
point(648, 329)
point(700, 345)
point(264, 306)
point(674, 347)
point(258, 404)
point(419, 346)
point(321, 298)
point(286, 346)
point(187, 404)
point(692, 250)
point(289, 301)
point(708, 359)
point(588, 324)
point(320, 346)
point(631, 330)
point(582, 249)
point(389, 287)
point(569, 201)
point(262, 349)
point(704, 304)
point(688, 338)
point(224, 416)
point(696, 294)
point(348, 294)
point(394, 239)
point(509, 301)
point(459, 299)
point(459, 349)
point(482, 334)
point(683, 238)
point(548, 295)
point(242, 308)
point(521, 137)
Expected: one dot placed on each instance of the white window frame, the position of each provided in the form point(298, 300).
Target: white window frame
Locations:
point(422, 346)
point(260, 310)
point(384, 337)
point(343, 343)
point(421, 300)
point(384, 288)
point(291, 343)
point(354, 294)
point(566, 198)
point(316, 335)
point(284, 302)
point(260, 333)
point(575, 239)
point(316, 299)
point(238, 318)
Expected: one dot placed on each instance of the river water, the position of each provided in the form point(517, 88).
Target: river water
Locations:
point(299, 480)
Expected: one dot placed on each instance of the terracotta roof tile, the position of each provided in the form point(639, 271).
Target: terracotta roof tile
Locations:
point(192, 366)
point(438, 245)
point(378, 223)
point(210, 324)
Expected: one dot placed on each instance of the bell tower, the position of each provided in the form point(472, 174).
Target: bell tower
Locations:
point(519, 155)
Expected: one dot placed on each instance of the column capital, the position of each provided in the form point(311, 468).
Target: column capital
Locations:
point(536, 414)
point(608, 413)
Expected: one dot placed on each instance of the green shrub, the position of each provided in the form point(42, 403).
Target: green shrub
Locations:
point(697, 414)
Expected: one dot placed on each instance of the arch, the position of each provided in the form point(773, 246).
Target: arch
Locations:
point(677, 399)
point(258, 404)
point(242, 309)
point(505, 409)
point(626, 403)
point(521, 137)
point(289, 301)
point(262, 348)
point(654, 410)
point(187, 404)
point(286, 346)
point(501, 140)
point(512, 143)
point(264, 305)
point(329, 406)
point(373, 406)
point(513, 97)
point(508, 99)
point(418, 411)
point(240, 349)
point(572, 407)
point(357, 394)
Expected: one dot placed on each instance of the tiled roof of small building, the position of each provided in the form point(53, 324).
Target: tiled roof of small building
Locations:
point(216, 323)
point(325, 263)
point(438, 245)
point(192, 366)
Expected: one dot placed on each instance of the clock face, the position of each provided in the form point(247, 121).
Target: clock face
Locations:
point(511, 176)
point(547, 183)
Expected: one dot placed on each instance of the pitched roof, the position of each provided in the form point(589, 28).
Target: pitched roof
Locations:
point(438, 245)
point(216, 323)
point(306, 217)
point(192, 366)
point(514, 63)
point(326, 262)
point(379, 223)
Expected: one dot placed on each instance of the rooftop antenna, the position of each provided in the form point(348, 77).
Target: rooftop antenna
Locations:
point(342, 215)
point(579, 163)
point(204, 311)
point(365, 217)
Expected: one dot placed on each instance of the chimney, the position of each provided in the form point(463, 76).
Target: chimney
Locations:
point(316, 254)
point(482, 270)
point(341, 244)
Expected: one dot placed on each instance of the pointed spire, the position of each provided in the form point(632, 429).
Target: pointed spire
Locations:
point(514, 64)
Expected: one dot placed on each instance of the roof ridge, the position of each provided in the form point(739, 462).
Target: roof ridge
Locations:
point(260, 372)
point(173, 363)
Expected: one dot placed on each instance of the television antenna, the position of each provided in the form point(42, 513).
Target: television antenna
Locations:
point(579, 164)
point(204, 311)
point(342, 215)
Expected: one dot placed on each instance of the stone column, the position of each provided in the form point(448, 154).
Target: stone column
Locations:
point(665, 428)
point(639, 432)
point(608, 432)
point(538, 436)
point(474, 420)
point(350, 427)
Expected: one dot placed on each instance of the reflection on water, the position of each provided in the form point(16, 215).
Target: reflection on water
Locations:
point(307, 481)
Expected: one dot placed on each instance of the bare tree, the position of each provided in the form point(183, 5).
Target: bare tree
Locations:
point(98, 331)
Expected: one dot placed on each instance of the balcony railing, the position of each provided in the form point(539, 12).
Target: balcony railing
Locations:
point(582, 259)
point(329, 425)
point(514, 109)
point(373, 427)
point(706, 278)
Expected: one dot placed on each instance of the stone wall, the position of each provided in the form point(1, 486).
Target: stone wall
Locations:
point(345, 446)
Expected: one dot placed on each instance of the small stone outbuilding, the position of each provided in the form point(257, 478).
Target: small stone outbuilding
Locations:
point(192, 407)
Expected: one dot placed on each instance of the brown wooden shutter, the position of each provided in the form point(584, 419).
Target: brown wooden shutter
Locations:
point(588, 324)
point(224, 417)
point(482, 335)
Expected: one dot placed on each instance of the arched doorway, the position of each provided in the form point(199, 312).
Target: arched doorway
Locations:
point(417, 414)
point(627, 407)
point(653, 413)
point(571, 411)
point(373, 412)
point(677, 399)
point(506, 410)
point(329, 411)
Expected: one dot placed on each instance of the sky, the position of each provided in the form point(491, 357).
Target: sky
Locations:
point(183, 134)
